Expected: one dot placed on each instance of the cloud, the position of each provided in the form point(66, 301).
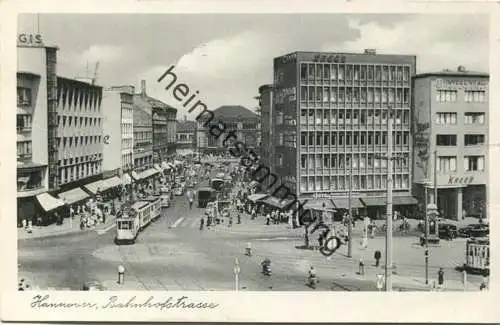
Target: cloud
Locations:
point(439, 41)
point(103, 53)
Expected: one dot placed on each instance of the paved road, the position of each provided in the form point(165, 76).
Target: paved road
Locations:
point(174, 254)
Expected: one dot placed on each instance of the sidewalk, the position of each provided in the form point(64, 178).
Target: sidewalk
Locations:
point(67, 227)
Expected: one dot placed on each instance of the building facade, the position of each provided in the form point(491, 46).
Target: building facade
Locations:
point(143, 131)
point(171, 131)
point(36, 123)
point(185, 137)
point(245, 124)
point(450, 140)
point(80, 131)
point(117, 107)
point(332, 126)
point(267, 126)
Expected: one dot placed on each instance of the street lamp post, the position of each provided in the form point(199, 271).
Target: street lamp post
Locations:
point(388, 238)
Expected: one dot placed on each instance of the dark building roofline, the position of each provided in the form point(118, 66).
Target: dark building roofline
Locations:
point(75, 81)
point(265, 87)
point(27, 73)
point(346, 53)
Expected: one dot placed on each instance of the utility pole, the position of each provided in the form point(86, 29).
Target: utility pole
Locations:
point(349, 226)
point(426, 235)
point(388, 238)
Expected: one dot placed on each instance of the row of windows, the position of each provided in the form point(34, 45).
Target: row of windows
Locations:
point(143, 135)
point(23, 121)
point(127, 129)
point(320, 71)
point(451, 139)
point(470, 96)
point(349, 160)
point(354, 95)
point(79, 160)
point(127, 113)
point(23, 96)
point(451, 118)
point(449, 163)
point(355, 116)
point(318, 138)
point(76, 141)
point(84, 99)
point(127, 143)
point(78, 121)
point(127, 159)
point(359, 182)
point(73, 173)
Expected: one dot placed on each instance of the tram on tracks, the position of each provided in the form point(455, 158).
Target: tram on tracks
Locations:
point(133, 219)
point(477, 256)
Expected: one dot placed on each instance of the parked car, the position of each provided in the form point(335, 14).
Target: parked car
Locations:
point(447, 231)
point(474, 230)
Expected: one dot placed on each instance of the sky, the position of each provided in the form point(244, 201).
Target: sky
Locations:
point(227, 57)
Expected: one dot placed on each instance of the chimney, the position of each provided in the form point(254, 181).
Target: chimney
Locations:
point(143, 87)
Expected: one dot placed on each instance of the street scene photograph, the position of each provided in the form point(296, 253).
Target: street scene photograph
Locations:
point(253, 152)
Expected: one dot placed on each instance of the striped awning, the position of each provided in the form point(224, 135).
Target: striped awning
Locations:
point(73, 196)
point(145, 174)
point(48, 202)
point(93, 187)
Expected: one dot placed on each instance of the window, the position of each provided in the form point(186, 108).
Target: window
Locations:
point(475, 96)
point(303, 161)
point(23, 96)
point(447, 164)
point(474, 118)
point(303, 136)
point(474, 163)
point(23, 121)
point(446, 140)
point(446, 96)
point(473, 139)
point(446, 118)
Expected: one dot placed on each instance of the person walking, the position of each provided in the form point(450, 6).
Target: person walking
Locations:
point(441, 279)
point(378, 256)
point(202, 223)
point(268, 219)
point(361, 266)
point(238, 217)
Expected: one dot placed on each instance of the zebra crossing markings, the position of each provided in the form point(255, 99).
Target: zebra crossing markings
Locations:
point(176, 223)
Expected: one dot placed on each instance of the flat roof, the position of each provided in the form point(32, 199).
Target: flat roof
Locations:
point(451, 73)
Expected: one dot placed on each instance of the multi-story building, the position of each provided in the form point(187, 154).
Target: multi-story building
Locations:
point(80, 132)
point(245, 124)
point(36, 126)
point(143, 130)
point(331, 127)
point(117, 107)
point(450, 140)
point(186, 137)
point(267, 126)
point(171, 131)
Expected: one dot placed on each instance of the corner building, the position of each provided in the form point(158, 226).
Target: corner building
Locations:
point(451, 136)
point(331, 119)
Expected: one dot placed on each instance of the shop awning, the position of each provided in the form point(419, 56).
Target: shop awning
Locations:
point(114, 181)
point(382, 201)
point(157, 167)
point(343, 203)
point(93, 187)
point(275, 202)
point(135, 175)
point(147, 173)
point(48, 202)
point(255, 197)
point(319, 204)
point(73, 196)
point(164, 165)
point(126, 180)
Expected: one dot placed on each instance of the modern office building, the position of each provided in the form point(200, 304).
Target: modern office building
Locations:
point(185, 137)
point(117, 107)
point(450, 140)
point(143, 131)
point(331, 122)
point(244, 122)
point(80, 131)
point(36, 125)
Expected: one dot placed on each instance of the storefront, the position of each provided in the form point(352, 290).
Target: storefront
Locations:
point(403, 205)
point(74, 196)
point(51, 208)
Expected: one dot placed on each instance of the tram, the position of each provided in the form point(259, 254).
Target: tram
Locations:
point(477, 256)
point(134, 219)
point(155, 206)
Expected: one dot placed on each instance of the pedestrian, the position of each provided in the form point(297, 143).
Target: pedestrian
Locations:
point(268, 219)
point(254, 213)
point(230, 222)
point(202, 223)
point(361, 266)
point(238, 216)
point(441, 278)
point(378, 256)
